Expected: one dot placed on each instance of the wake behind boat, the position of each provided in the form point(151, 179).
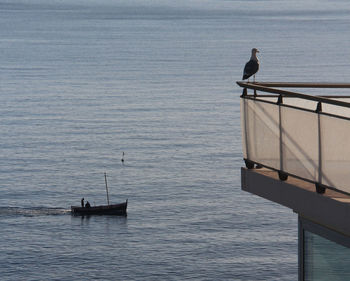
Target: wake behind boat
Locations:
point(109, 209)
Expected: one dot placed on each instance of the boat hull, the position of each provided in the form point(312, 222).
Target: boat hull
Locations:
point(115, 210)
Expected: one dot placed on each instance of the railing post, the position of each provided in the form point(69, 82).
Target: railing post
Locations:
point(279, 102)
point(319, 187)
point(282, 176)
point(248, 163)
point(244, 92)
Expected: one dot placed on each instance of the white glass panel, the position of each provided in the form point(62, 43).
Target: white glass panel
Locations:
point(337, 110)
point(262, 124)
point(273, 99)
point(300, 142)
point(335, 134)
point(302, 103)
point(300, 139)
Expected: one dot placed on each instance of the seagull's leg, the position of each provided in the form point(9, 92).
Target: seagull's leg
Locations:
point(254, 78)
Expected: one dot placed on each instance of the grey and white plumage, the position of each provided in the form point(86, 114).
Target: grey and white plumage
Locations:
point(252, 66)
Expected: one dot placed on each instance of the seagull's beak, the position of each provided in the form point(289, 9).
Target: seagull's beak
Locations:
point(257, 51)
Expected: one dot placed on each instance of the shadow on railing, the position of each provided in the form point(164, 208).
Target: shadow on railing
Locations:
point(296, 134)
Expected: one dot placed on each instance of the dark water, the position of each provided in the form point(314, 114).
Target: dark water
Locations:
point(83, 81)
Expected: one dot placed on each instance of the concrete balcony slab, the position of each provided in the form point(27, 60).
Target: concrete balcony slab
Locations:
point(331, 209)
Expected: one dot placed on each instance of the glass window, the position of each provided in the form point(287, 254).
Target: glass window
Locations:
point(325, 260)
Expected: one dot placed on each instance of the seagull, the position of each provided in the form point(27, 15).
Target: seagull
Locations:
point(252, 66)
point(122, 158)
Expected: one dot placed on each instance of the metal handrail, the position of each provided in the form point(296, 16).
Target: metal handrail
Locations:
point(303, 85)
point(268, 89)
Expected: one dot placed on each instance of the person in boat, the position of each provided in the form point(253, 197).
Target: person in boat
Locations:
point(87, 205)
point(82, 202)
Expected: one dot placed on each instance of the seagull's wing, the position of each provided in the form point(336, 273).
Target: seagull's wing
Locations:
point(250, 69)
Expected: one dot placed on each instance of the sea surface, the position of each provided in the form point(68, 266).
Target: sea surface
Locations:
point(81, 82)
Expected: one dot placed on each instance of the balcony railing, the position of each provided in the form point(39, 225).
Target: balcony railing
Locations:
point(296, 134)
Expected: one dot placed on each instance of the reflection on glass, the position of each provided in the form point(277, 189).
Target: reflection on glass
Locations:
point(325, 260)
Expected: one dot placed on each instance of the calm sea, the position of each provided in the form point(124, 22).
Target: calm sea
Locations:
point(84, 81)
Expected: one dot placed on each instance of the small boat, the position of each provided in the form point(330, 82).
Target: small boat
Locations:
point(109, 209)
point(115, 209)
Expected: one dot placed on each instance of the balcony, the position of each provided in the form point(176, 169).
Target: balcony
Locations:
point(297, 134)
point(296, 149)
